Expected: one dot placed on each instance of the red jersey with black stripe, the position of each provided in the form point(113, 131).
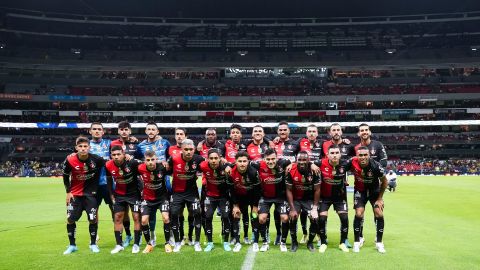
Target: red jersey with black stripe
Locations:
point(302, 183)
point(367, 178)
point(346, 150)
point(287, 149)
point(313, 148)
point(184, 173)
point(129, 147)
point(125, 177)
point(244, 184)
point(154, 182)
point(174, 150)
point(215, 180)
point(255, 151)
point(332, 180)
point(272, 181)
point(81, 177)
point(206, 147)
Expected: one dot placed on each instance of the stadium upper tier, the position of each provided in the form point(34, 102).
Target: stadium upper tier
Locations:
point(30, 34)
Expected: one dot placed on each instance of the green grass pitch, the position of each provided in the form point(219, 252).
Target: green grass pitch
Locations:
point(430, 223)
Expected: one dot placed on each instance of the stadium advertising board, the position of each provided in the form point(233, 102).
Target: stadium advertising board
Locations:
point(15, 97)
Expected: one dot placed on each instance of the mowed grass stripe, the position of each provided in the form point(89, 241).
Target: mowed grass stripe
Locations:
point(430, 224)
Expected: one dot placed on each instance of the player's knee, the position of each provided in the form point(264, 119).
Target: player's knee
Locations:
point(378, 213)
point(70, 221)
point(284, 218)
point(145, 220)
point(262, 218)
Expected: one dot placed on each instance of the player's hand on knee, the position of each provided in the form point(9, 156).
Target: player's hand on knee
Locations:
point(293, 214)
point(69, 198)
point(236, 212)
point(379, 204)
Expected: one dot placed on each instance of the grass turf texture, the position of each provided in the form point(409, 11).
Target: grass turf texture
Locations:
point(430, 223)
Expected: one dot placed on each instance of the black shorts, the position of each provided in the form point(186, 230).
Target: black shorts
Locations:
point(360, 199)
point(179, 200)
point(123, 203)
point(103, 195)
point(303, 206)
point(338, 205)
point(150, 207)
point(247, 200)
point(78, 204)
point(211, 204)
point(281, 206)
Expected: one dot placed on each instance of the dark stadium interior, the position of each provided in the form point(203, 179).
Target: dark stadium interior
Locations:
point(210, 61)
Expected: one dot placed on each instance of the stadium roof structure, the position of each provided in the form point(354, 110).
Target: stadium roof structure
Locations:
point(246, 8)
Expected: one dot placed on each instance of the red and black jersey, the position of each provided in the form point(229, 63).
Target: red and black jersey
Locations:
point(347, 150)
point(377, 151)
point(174, 150)
point(314, 149)
point(272, 181)
point(215, 180)
point(244, 184)
point(206, 147)
point(184, 173)
point(231, 148)
point(129, 147)
point(125, 177)
point(367, 178)
point(154, 182)
point(81, 177)
point(333, 180)
point(287, 149)
point(255, 151)
point(302, 183)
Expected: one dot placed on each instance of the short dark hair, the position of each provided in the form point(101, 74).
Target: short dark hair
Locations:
point(152, 123)
point(312, 125)
point(182, 129)
point(242, 153)
point(257, 126)
point(124, 124)
point(334, 124)
point(150, 153)
point(301, 153)
point(210, 129)
point(363, 125)
point(269, 151)
point(81, 139)
point(116, 148)
point(283, 123)
point(213, 151)
point(237, 126)
point(96, 123)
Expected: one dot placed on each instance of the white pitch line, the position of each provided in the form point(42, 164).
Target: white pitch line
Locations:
point(249, 260)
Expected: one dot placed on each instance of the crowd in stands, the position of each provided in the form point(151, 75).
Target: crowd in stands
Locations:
point(435, 166)
point(30, 168)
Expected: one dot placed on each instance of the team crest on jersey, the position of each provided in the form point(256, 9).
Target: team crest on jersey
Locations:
point(194, 166)
point(310, 178)
point(372, 151)
point(317, 144)
point(130, 146)
point(369, 174)
point(341, 170)
point(343, 149)
point(242, 146)
point(159, 175)
point(92, 165)
point(295, 179)
point(290, 146)
point(127, 169)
